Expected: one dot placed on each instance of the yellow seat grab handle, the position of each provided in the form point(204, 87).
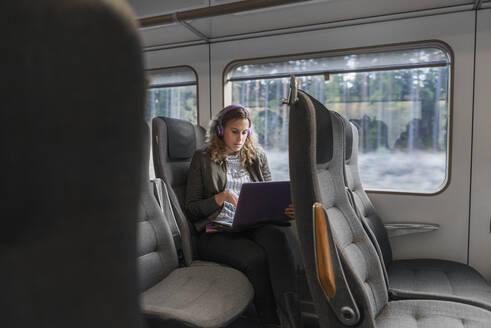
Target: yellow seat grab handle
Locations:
point(329, 270)
point(323, 258)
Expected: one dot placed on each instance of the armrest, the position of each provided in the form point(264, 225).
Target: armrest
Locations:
point(401, 229)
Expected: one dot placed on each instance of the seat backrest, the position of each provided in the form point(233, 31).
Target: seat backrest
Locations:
point(174, 143)
point(72, 99)
point(364, 206)
point(156, 254)
point(316, 147)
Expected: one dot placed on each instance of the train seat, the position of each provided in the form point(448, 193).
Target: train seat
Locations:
point(415, 277)
point(174, 142)
point(346, 278)
point(189, 296)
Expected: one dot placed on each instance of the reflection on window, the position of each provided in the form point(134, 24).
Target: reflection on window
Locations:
point(172, 93)
point(401, 112)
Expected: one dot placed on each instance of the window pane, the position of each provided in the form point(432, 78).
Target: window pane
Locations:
point(402, 117)
point(174, 102)
point(269, 118)
point(339, 63)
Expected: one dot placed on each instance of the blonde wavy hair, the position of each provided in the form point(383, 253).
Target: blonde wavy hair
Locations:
point(216, 146)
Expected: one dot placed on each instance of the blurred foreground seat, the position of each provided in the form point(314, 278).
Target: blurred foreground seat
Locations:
point(67, 241)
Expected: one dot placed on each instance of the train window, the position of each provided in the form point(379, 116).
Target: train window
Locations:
point(399, 99)
point(172, 92)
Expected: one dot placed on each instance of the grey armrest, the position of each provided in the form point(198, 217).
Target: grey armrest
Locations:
point(400, 229)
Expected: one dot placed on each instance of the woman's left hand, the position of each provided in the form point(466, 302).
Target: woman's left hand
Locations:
point(290, 211)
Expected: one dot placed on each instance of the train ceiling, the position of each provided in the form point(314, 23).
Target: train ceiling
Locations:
point(173, 23)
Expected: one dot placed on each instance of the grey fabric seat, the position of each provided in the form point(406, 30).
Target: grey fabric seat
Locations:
point(202, 296)
point(174, 142)
point(192, 296)
point(417, 277)
point(431, 314)
point(316, 145)
point(67, 241)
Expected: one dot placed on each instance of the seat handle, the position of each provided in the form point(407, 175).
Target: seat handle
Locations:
point(292, 93)
point(329, 270)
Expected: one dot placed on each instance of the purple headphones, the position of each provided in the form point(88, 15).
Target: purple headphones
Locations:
point(220, 128)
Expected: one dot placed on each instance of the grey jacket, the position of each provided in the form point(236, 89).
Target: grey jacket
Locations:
point(206, 179)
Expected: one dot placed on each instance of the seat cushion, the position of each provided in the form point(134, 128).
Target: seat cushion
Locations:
point(200, 296)
point(440, 277)
point(432, 314)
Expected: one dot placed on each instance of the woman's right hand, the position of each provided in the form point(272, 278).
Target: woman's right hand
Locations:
point(227, 195)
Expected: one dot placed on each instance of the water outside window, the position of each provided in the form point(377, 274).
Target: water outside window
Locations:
point(402, 117)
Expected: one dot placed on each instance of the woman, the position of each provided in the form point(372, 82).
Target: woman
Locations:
point(230, 158)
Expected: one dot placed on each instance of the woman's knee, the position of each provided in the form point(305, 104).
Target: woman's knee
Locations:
point(255, 261)
point(273, 235)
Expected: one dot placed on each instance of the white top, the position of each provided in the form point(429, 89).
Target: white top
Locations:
point(236, 176)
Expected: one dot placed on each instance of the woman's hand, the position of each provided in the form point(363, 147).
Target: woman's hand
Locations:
point(232, 197)
point(290, 211)
point(227, 195)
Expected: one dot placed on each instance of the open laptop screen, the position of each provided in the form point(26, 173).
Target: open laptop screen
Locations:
point(260, 202)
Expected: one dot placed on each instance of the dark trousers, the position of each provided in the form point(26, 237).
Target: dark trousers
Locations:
point(263, 255)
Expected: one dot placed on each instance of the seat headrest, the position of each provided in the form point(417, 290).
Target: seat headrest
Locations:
point(324, 130)
point(181, 138)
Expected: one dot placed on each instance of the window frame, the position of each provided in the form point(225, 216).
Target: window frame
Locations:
point(369, 49)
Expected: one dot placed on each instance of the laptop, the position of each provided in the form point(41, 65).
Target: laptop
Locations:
point(259, 203)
